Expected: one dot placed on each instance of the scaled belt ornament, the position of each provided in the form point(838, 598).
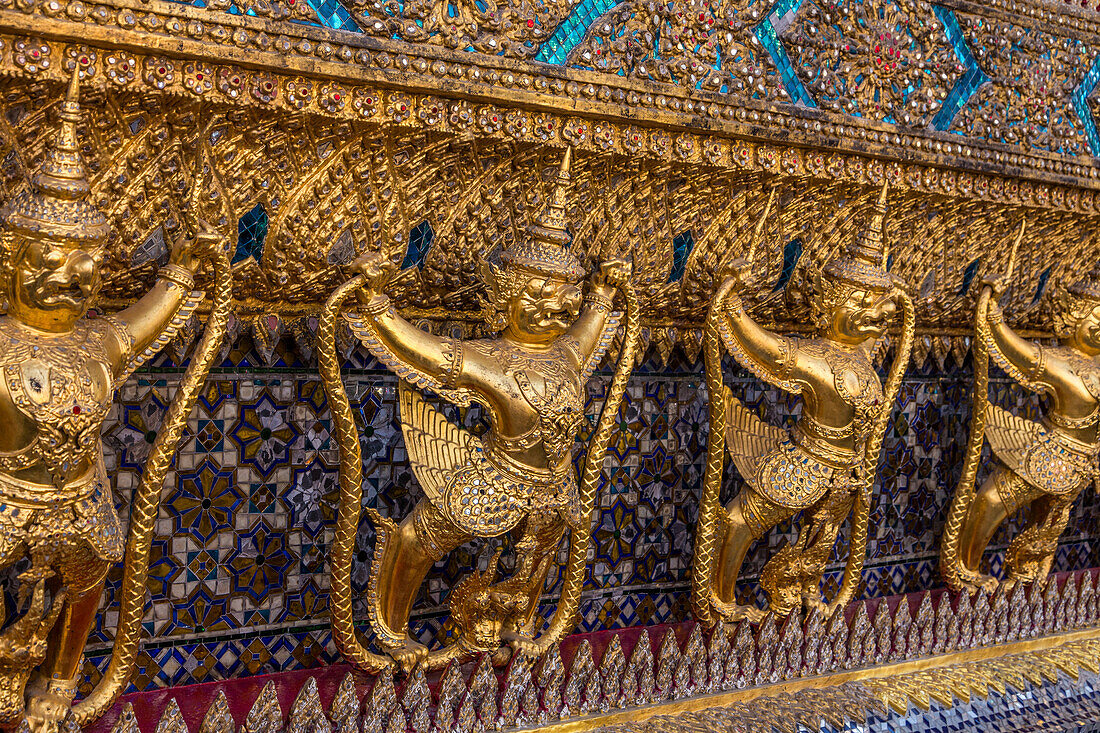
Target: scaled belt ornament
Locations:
point(826, 466)
point(518, 478)
point(1043, 465)
point(60, 371)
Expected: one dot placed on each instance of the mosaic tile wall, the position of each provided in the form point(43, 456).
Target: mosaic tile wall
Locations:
point(239, 582)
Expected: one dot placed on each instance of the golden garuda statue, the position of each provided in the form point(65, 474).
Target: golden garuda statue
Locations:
point(827, 464)
point(59, 372)
point(519, 477)
point(1043, 464)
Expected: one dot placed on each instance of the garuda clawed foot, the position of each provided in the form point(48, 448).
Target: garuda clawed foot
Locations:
point(408, 654)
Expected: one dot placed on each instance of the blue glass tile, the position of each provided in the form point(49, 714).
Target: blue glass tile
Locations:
point(792, 253)
point(420, 241)
point(251, 233)
point(1043, 277)
point(682, 244)
point(968, 275)
point(1080, 104)
point(766, 34)
point(333, 15)
point(571, 31)
point(970, 80)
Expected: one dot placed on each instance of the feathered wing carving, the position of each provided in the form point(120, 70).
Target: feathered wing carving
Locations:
point(1010, 437)
point(748, 438)
point(437, 447)
point(608, 335)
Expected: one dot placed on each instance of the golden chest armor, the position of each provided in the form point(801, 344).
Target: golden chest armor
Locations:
point(557, 400)
point(856, 383)
point(62, 385)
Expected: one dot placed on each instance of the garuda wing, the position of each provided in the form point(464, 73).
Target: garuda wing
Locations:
point(437, 447)
point(748, 438)
point(1010, 437)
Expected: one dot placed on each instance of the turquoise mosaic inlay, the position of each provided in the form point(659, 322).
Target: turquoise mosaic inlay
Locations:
point(971, 79)
point(1081, 105)
point(766, 33)
point(571, 32)
point(682, 245)
point(251, 233)
point(421, 237)
point(334, 15)
point(330, 13)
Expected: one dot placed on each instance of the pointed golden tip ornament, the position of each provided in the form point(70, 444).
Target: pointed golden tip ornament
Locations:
point(863, 261)
point(545, 249)
point(56, 205)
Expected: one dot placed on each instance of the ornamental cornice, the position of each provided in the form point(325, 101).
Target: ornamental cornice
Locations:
point(712, 128)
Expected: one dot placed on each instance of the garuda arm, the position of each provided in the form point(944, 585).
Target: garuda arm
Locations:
point(1019, 358)
point(419, 358)
point(143, 329)
point(770, 357)
point(591, 334)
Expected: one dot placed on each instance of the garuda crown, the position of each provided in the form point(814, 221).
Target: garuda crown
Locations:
point(56, 206)
point(545, 249)
point(863, 261)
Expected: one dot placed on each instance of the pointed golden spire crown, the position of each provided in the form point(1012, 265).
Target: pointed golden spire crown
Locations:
point(56, 205)
point(545, 249)
point(863, 262)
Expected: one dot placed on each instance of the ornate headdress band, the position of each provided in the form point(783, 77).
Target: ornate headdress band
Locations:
point(545, 249)
point(56, 205)
point(863, 262)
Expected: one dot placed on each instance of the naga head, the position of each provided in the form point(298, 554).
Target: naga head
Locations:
point(853, 295)
point(54, 235)
point(1076, 312)
point(480, 612)
point(535, 291)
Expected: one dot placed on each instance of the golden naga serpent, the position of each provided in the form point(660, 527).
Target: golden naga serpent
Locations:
point(146, 503)
point(951, 567)
point(351, 481)
point(704, 598)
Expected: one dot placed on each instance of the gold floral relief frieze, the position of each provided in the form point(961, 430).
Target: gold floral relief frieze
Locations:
point(473, 173)
point(724, 84)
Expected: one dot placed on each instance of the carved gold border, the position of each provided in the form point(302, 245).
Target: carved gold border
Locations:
point(946, 679)
point(428, 87)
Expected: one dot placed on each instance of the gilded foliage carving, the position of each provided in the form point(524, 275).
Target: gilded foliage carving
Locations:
point(514, 28)
point(326, 184)
point(698, 44)
point(882, 59)
point(1033, 75)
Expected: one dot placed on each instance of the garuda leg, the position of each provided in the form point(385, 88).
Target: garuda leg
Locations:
point(1002, 494)
point(535, 551)
point(423, 538)
point(1031, 553)
point(748, 518)
point(51, 689)
point(821, 532)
